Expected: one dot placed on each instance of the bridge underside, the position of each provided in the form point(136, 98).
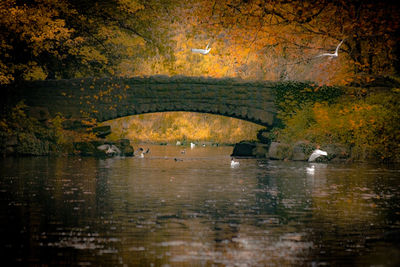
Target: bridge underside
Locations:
point(106, 99)
point(252, 115)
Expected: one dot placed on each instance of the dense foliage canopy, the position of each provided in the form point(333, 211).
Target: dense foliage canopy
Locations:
point(42, 39)
point(261, 39)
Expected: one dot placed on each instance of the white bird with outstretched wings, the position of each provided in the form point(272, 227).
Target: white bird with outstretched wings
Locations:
point(336, 54)
point(202, 51)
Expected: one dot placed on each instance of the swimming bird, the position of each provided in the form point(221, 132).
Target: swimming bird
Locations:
point(142, 152)
point(336, 54)
point(317, 153)
point(234, 163)
point(202, 51)
point(192, 145)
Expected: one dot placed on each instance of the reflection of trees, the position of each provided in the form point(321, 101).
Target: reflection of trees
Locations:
point(152, 211)
point(349, 212)
point(55, 197)
point(281, 193)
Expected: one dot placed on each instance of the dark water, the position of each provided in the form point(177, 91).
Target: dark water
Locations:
point(199, 211)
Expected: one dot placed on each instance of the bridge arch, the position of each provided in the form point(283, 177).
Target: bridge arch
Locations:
point(111, 98)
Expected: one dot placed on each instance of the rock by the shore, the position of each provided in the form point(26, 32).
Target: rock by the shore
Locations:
point(279, 151)
point(249, 149)
point(88, 149)
point(260, 150)
point(243, 149)
point(125, 147)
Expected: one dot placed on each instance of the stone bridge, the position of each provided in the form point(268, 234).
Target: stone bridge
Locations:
point(111, 98)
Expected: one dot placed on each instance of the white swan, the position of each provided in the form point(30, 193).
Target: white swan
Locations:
point(202, 51)
point(336, 54)
point(317, 153)
point(234, 163)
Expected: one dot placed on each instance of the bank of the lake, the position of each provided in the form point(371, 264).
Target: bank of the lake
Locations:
point(351, 123)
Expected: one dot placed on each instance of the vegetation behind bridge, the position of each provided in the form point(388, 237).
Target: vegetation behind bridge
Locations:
point(258, 39)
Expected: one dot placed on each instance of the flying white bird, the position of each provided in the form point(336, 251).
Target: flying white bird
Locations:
point(317, 153)
point(234, 163)
point(202, 51)
point(332, 54)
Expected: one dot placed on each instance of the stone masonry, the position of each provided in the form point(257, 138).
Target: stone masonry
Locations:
point(111, 98)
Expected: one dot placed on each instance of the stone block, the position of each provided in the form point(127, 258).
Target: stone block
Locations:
point(243, 149)
point(127, 151)
point(249, 149)
point(279, 151)
point(85, 148)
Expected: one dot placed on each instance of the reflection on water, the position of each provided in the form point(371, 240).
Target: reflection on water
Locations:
point(197, 210)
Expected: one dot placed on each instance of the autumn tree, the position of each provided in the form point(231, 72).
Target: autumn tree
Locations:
point(281, 39)
point(261, 39)
point(70, 38)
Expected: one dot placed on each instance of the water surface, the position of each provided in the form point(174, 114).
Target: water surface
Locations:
point(193, 209)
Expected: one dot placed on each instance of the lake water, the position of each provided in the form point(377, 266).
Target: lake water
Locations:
point(197, 211)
